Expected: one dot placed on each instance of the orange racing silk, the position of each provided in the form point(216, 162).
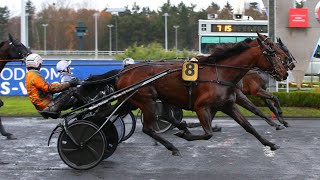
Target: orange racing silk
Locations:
point(39, 91)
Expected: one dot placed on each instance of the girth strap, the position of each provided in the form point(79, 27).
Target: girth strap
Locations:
point(191, 85)
point(224, 83)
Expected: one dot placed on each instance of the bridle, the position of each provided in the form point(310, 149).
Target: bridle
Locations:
point(270, 54)
point(18, 46)
point(291, 60)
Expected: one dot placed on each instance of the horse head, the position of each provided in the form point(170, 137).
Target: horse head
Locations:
point(14, 49)
point(289, 64)
point(274, 58)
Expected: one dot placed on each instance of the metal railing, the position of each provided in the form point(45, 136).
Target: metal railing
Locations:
point(71, 52)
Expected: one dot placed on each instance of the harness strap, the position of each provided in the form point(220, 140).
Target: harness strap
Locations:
point(191, 86)
point(224, 83)
point(114, 76)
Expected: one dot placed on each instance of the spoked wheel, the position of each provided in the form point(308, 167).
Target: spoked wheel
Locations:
point(130, 123)
point(111, 134)
point(166, 113)
point(161, 124)
point(81, 150)
point(119, 124)
point(176, 113)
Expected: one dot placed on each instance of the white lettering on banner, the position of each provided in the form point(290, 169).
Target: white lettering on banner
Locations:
point(6, 89)
point(23, 88)
point(23, 73)
point(20, 73)
point(8, 77)
point(49, 74)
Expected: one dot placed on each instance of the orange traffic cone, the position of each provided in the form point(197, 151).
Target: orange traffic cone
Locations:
point(272, 116)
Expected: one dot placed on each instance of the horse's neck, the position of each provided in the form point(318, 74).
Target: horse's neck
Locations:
point(2, 64)
point(242, 63)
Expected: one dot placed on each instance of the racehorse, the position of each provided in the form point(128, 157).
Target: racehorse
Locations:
point(255, 83)
point(11, 50)
point(218, 75)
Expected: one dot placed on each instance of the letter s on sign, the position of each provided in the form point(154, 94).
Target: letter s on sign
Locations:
point(5, 89)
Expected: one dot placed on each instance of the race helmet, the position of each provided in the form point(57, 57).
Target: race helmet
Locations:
point(63, 66)
point(127, 61)
point(33, 61)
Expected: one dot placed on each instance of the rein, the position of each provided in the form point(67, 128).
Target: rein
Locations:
point(112, 77)
point(226, 66)
point(11, 60)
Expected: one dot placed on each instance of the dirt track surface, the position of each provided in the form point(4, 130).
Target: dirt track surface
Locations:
point(230, 154)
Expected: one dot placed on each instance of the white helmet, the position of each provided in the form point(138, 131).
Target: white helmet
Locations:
point(63, 66)
point(127, 61)
point(33, 60)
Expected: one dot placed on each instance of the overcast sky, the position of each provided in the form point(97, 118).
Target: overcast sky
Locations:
point(15, 5)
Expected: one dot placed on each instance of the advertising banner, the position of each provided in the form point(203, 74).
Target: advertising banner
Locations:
point(298, 17)
point(12, 77)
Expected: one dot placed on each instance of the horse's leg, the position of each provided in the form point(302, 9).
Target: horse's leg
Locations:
point(215, 128)
point(276, 109)
point(205, 118)
point(243, 101)
point(148, 109)
point(2, 130)
point(235, 113)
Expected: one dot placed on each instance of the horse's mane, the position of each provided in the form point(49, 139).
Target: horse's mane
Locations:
point(2, 43)
point(100, 79)
point(227, 50)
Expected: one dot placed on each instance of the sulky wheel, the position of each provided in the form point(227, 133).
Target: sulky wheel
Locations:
point(119, 124)
point(129, 125)
point(161, 124)
point(176, 113)
point(112, 137)
point(78, 150)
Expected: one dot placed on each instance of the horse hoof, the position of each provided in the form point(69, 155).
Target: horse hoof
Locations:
point(216, 128)
point(286, 124)
point(176, 153)
point(274, 147)
point(280, 127)
point(11, 137)
point(3, 163)
point(179, 134)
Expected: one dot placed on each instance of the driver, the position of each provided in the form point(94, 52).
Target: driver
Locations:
point(127, 61)
point(63, 67)
point(41, 93)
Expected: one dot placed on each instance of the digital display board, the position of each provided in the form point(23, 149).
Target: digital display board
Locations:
point(239, 28)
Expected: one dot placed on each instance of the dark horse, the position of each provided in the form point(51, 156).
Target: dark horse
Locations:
point(11, 50)
point(215, 89)
point(255, 83)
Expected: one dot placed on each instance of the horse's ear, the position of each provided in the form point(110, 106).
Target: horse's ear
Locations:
point(259, 42)
point(280, 42)
point(10, 37)
point(259, 35)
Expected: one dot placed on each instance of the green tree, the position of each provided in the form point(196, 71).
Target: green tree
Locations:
point(226, 12)
point(213, 8)
point(255, 13)
point(4, 18)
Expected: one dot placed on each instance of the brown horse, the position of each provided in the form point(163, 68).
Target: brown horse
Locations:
point(215, 89)
point(255, 83)
point(11, 50)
